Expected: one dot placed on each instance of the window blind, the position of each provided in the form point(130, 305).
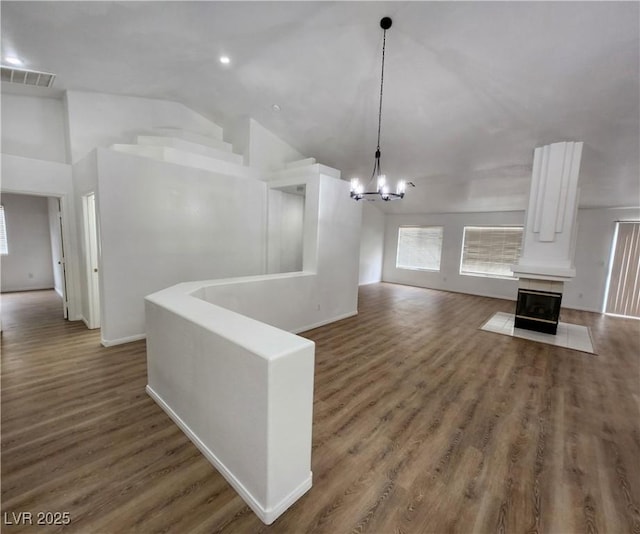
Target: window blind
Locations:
point(4, 246)
point(419, 247)
point(490, 250)
point(624, 281)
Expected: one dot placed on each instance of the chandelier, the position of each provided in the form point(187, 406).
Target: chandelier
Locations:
point(357, 189)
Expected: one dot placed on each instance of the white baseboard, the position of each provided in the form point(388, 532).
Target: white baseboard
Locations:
point(21, 289)
point(513, 298)
point(266, 515)
point(137, 337)
point(122, 340)
point(325, 322)
point(579, 308)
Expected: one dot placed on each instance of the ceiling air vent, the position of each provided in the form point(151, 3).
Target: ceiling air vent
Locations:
point(27, 77)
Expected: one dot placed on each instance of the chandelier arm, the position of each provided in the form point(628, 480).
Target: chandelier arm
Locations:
point(373, 173)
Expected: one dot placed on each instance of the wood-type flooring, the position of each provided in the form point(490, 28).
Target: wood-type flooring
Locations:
point(422, 424)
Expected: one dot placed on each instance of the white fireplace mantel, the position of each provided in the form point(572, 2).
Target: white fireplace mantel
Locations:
point(543, 272)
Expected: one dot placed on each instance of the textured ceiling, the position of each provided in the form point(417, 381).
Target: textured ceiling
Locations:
point(471, 88)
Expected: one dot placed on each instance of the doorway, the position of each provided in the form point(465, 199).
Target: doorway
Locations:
point(57, 252)
point(622, 296)
point(91, 255)
point(285, 228)
point(33, 254)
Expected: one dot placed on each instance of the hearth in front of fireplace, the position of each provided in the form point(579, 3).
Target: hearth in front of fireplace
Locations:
point(538, 310)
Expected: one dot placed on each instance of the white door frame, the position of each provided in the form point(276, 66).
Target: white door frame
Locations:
point(91, 258)
point(28, 176)
point(68, 272)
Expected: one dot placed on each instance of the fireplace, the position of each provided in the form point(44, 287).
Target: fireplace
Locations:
point(538, 310)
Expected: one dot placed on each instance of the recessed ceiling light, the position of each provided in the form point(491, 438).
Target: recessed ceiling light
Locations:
point(13, 61)
point(275, 108)
point(225, 60)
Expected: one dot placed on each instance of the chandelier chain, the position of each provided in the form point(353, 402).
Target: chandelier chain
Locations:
point(377, 170)
point(358, 191)
point(384, 43)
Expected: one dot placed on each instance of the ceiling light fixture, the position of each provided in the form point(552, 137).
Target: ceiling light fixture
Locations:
point(225, 60)
point(13, 61)
point(357, 189)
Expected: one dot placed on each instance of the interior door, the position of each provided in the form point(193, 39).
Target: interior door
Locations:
point(62, 264)
point(91, 260)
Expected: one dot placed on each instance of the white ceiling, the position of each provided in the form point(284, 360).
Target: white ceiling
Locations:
point(471, 88)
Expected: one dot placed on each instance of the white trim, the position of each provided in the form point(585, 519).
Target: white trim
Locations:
point(91, 256)
point(612, 252)
point(582, 308)
point(4, 244)
point(30, 176)
point(325, 322)
point(487, 295)
point(623, 316)
point(137, 337)
point(484, 275)
point(122, 340)
point(23, 289)
point(513, 298)
point(266, 515)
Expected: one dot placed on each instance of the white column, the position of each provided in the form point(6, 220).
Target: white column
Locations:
point(550, 222)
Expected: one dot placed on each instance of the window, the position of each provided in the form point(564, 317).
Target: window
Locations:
point(4, 248)
point(623, 286)
point(419, 247)
point(490, 250)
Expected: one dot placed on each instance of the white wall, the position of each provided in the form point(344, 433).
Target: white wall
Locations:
point(266, 150)
point(241, 390)
point(100, 120)
point(28, 264)
point(593, 250)
point(327, 290)
point(33, 127)
point(586, 291)
point(237, 132)
point(161, 224)
point(47, 178)
point(285, 232)
point(449, 277)
point(371, 244)
point(55, 236)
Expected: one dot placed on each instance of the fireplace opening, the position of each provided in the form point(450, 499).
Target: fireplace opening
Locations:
point(538, 310)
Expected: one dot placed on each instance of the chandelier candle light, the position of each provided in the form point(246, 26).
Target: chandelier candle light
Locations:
point(357, 189)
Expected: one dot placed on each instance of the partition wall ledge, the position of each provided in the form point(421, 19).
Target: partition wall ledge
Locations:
point(240, 389)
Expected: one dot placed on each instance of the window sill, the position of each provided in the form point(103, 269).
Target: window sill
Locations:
point(421, 269)
point(482, 275)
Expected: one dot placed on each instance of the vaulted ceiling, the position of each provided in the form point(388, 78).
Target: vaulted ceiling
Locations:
point(471, 88)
